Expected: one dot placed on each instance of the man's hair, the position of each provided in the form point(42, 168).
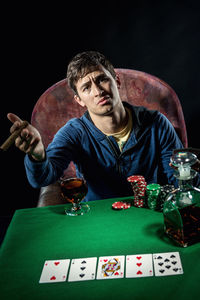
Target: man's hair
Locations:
point(86, 62)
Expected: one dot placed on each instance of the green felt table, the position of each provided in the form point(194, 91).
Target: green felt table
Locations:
point(46, 233)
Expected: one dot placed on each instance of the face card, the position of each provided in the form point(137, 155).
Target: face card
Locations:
point(54, 271)
point(167, 264)
point(140, 265)
point(83, 269)
point(110, 267)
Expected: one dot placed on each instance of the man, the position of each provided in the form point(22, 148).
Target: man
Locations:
point(111, 141)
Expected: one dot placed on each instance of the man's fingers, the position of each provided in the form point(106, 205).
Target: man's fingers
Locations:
point(13, 118)
point(17, 122)
point(32, 145)
point(24, 140)
point(25, 133)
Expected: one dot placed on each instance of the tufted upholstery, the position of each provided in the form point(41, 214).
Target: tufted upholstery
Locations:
point(56, 106)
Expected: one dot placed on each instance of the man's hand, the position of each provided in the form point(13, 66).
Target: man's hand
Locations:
point(29, 141)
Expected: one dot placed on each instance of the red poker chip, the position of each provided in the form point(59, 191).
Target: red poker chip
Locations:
point(138, 202)
point(141, 193)
point(126, 205)
point(139, 205)
point(137, 182)
point(135, 178)
point(117, 205)
point(139, 189)
point(121, 205)
point(135, 187)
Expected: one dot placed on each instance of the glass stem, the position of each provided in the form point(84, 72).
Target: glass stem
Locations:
point(76, 206)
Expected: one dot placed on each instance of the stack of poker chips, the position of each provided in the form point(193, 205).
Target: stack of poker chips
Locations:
point(138, 184)
point(152, 193)
point(164, 191)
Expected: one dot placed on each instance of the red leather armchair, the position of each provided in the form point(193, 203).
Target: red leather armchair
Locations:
point(56, 106)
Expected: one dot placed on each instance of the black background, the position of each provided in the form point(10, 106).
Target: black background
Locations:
point(160, 38)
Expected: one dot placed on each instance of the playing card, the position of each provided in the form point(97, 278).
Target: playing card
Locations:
point(167, 264)
point(140, 265)
point(54, 270)
point(83, 269)
point(110, 267)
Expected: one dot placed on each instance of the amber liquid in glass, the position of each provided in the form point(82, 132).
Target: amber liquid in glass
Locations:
point(73, 190)
point(189, 232)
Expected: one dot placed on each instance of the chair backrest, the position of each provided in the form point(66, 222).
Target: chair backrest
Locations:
point(56, 105)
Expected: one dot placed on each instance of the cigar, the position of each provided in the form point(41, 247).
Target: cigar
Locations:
point(11, 139)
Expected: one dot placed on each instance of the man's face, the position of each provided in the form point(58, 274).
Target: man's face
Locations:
point(98, 91)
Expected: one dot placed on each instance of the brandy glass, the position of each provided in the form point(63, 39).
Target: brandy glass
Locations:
point(74, 191)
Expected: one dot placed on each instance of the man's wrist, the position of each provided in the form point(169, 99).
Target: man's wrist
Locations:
point(38, 158)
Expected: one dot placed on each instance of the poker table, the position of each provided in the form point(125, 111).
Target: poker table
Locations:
point(38, 234)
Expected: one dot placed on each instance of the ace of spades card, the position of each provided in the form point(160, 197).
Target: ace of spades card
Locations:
point(110, 267)
point(82, 269)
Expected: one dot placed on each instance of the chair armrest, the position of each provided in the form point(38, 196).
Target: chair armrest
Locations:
point(50, 195)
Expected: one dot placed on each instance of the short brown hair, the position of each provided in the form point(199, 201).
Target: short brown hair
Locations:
point(82, 63)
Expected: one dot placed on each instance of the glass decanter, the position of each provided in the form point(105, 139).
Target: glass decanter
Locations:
point(182, 206)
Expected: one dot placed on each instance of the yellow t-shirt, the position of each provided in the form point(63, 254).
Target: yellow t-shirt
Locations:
point(122, 136)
